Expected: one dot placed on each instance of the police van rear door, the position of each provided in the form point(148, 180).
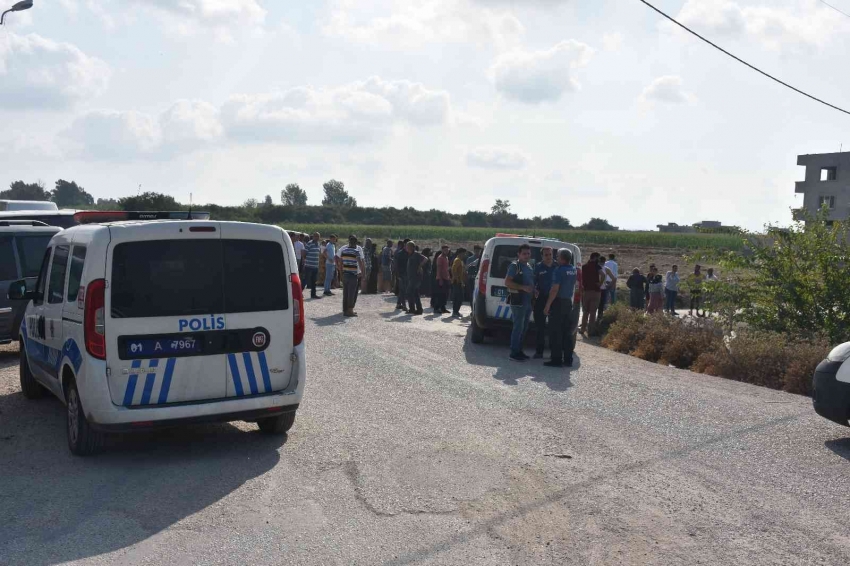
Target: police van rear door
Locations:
point(166, 331)
point(258, 305)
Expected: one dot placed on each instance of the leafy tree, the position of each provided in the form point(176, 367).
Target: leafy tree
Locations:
point(794, 280)
point(557, 222)
point(149, 201)
point(68, 194)
point(268, 201)
point(107, 204)
point(250, 203)
point(293, 195)
point(501, 207)
point(474, 218)
point(336, 195)
point(598, 224)
point(25, 191)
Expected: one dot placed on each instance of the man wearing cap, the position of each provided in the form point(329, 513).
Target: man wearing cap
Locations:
point(559, 309)
point(350, 263)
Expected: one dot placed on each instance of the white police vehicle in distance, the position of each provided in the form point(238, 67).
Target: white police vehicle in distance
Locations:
point(831, 386)
point(490, 309)
point(143, 324)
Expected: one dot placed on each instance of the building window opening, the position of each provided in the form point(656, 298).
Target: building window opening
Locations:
point(828, 173)
point(828, 201)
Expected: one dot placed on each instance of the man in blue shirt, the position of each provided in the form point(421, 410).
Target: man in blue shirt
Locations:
point(520, 282)
point(543, 273)
point(559, 308)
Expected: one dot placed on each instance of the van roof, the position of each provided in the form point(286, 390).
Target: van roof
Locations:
point(14, 205)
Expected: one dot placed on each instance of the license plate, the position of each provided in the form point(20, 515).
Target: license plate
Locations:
point(500, 292)
point(156, 347)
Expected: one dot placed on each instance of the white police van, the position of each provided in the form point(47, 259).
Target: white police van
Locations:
point(490, 309)
point(831, 386)
point(142, 324)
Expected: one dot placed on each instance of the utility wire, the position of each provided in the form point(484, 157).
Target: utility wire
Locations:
point(834, 8)
point(738, 59)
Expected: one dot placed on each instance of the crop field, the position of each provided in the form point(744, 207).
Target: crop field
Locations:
point(466, 235)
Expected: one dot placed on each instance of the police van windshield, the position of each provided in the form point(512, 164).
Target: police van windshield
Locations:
point(196, 277)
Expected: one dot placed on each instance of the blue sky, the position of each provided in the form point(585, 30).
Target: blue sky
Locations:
point(562, 107)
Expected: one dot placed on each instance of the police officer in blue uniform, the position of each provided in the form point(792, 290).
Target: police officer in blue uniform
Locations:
point(543, 273)
point(559, 309)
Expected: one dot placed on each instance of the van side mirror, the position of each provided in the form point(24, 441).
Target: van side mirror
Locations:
point(18, 292)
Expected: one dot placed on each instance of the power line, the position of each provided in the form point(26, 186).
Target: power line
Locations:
point(834, 8)
point(738, 59)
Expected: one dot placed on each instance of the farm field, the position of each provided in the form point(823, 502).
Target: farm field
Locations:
point(458, 235)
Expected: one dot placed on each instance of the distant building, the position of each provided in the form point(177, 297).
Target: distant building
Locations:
point(691, 228)
point(827, 183)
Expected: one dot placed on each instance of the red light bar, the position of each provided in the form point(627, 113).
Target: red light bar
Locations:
point(202, 229)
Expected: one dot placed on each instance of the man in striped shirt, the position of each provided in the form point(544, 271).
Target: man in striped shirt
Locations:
point(350, 263)
point(311, 264)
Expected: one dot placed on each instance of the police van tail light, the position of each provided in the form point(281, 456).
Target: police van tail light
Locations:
point(482, 277)
point(93, 319)
point(297, 310)
point(577, 297)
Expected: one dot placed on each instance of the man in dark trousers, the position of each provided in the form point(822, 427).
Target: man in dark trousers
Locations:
point(415, 261)
point(400, 263)
point(351, 265)
point(543, 273)
point(559, 309)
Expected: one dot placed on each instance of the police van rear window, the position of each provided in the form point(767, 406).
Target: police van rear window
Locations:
point(503, 256)
point(196, 277)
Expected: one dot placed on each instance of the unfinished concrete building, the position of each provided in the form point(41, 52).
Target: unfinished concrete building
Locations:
point(827, 183)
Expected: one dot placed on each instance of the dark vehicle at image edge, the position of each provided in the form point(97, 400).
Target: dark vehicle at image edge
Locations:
point(831, 386)
point(22, 245)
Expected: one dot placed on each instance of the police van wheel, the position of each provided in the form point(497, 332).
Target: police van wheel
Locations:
point(477, 335)
point(29, 386)
point(277, 425)
point(82, 439)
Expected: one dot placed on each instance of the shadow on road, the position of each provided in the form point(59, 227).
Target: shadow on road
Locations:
point(494, 353)
point(55, 507)
point(840, 446)
point(332, 320)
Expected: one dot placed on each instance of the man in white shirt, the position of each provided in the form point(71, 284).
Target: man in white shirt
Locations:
point(612, 271)
point(299, 250)
point(330, 265)
point(671, 289)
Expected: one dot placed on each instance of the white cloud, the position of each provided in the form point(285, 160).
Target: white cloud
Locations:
point(40, 73)
point(190, 122)
point(503, 158)
point(216, 12)
point(411, 24)
point(356, 112)
point(776, 28)
point(667, 89)
point(612, 41)
point(540, 76)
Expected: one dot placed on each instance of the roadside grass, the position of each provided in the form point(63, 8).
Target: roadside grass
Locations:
point(769, 359)
point(461, 234)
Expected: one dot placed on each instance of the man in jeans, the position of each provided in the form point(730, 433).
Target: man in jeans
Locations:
point(311, 264)
point(543, 272)
point(592, 278)
point(351, 265)
point(520, 282)
point(559, 309)
point(330, 264)
point(671, 289)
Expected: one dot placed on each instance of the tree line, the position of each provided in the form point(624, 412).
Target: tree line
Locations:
point(337, 207)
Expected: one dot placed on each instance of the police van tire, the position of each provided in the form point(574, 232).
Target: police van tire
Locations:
point(277, 425)
point(29, 386)
point(83, 440)
point(477, 333)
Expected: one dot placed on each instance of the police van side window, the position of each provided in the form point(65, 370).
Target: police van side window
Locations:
point(75, 274)
point(8, 267)
point(56, 285)
point(41, 283)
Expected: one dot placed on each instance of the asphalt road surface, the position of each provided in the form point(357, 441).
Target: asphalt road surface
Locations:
point(415, 447)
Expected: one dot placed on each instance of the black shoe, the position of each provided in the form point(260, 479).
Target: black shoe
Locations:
point(516, 358)
point(537, 355)
point(553, 364)
point(328, 294)
point(569, 362)
point(314, 296)
point(525, 356)
point(399, 308)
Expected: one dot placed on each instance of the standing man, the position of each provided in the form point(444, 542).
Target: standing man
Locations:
point(330, 264)
point(612, 271)
point(591, 280)
point(458, 282)
point(351, 265)
point(671, 289)
point(543, 273)
point(415, 262)
point(472, 264)
point(299, 251)
point(695, 287)
point(400, 264)
point(311, 264)
point(444, 282)
point(520, 282)
point(385, 277)
point(559, 309)
point(367, 260)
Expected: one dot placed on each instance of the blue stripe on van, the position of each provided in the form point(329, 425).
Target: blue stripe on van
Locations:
point(234, 372)
point(499, 312)
point(131, 384)
point(264, 368)
point(166, 380)
point(249, 369)
point(150, 379)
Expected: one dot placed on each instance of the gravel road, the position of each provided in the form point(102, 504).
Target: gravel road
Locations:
point(415, 447)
